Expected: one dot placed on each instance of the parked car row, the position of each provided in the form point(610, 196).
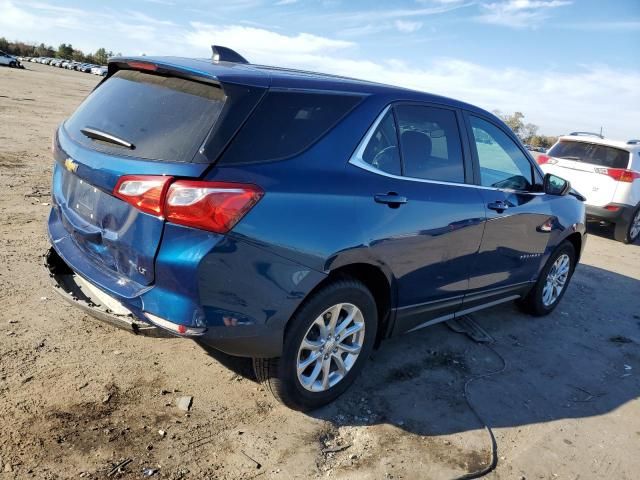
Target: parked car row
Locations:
point(68, 64)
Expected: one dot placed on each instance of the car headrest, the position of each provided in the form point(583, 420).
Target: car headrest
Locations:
point(416, 144)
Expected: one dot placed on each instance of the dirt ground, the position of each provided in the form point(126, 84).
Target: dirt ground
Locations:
point(77, 397)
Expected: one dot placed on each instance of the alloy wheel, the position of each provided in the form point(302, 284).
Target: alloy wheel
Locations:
point(556, 280)
point(330, 347)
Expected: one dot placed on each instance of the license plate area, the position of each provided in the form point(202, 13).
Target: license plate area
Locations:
point(83, 198)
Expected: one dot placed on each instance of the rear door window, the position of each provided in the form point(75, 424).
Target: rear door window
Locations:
point(286, 123)
point(430, 143)
point(165, 118)
point(593, 153)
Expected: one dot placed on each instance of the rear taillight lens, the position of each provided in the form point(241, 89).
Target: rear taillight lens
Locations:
point(145, 192)
point(214, 206)
point(542, 159)
point(619, 174)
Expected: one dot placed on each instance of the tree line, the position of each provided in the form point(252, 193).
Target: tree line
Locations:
point(64, 50)
point(527, 132)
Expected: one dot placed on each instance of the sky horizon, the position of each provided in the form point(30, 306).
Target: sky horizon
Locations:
point(566, 64)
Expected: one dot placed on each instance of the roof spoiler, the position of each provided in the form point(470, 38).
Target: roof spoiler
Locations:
point(224, 54)
point(585, 134)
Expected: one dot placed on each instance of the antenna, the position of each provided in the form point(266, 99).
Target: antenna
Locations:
point(224, 54)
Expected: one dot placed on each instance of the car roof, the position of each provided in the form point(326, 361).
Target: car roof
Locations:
point(623, 144)
point(277, 77)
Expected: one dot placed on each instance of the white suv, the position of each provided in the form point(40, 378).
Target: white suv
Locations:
point(606, 172)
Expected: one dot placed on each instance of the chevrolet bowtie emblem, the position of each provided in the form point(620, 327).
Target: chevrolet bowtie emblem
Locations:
point(70, 165)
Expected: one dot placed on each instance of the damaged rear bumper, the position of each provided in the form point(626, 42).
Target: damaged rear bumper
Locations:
point(77, 291)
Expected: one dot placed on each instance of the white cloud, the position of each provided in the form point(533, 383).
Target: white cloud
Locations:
point(261, 44)
point(577, 98)
point(374, 15)
point(558, 101)
point(519, 13)
point(286, 2)
point(406, 26)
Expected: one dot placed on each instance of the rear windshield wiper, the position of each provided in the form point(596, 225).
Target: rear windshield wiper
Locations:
point(571, 158)
point(96, 134)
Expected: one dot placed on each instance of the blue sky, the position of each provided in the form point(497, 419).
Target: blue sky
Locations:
point(567, 64)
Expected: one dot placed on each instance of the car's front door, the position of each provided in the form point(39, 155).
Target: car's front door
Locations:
point(428, 221)
point(519, 216)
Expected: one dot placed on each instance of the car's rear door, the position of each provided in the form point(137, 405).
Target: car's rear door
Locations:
point(516, 234)
point(428, 219)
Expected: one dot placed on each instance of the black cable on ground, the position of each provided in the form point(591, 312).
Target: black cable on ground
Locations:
point(494, 447)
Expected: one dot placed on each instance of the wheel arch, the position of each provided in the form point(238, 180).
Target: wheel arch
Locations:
point(380, 282)
point(576, 240)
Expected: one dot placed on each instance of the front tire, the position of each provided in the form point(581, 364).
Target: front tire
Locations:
point(328, 342)
point(628, 232)
point(552, 282)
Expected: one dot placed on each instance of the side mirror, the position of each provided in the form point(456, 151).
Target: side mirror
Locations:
point(554, 185)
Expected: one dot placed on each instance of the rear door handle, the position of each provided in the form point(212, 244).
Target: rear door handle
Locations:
point(392, 199)
point(499, 206)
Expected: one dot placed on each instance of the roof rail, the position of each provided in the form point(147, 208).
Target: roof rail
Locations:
point(633, 142)
point(586, 134)
point(224, 54)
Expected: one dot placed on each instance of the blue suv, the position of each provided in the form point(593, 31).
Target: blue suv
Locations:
point(297, 218)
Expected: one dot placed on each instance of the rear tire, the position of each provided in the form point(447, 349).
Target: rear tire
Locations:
point(538, 301)
point(628, 232)
point(12, 65)
point(309, 349)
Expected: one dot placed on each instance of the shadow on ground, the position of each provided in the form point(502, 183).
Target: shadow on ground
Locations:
point(581, 361)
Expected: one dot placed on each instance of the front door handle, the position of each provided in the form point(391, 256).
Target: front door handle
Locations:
point(499, 206)
point(392, 199)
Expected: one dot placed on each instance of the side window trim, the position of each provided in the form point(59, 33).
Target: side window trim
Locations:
point(358, 155)
point(535, 169)
point(399, 143)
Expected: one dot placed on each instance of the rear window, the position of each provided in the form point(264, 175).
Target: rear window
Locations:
point(286, 123)
point(165, 118)
point(596, 154)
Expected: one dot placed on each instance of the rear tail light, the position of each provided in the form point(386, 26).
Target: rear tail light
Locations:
point(612, 208)
point(145, 192)
point(542, 159)
point(619, 174)
point(214, 206)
